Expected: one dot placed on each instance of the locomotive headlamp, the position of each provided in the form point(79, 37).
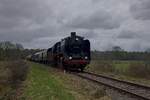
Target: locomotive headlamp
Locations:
point(86, 57)
point(77, 39)
point(70, 57)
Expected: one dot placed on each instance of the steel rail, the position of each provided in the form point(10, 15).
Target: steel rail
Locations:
point(119, 80)
point(138, 90)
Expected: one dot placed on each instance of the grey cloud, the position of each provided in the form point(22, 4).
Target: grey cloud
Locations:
point(6, 23)
point(96, 20)
point(44, 42)
point(24, 20)
point(41, 23)
point(133, 40)
point(90, 34)
point(26, 35)
point(126, 34)
point(130, 44)
point(14, 13)
point(24, 8)
point(141, 9)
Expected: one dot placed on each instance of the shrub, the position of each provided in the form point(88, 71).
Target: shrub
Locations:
point(18, 71)
point(12, 73)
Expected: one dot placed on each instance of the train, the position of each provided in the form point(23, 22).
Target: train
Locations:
point(72, 52)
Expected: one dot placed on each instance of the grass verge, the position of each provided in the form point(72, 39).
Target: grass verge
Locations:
point(41, 85)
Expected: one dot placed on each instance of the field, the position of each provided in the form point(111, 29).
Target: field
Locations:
point(137, 71)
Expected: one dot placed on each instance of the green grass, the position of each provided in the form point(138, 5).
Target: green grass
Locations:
point(123, 66)
point(41, 85)
point(114, 66)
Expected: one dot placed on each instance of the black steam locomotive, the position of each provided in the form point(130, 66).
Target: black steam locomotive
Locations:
point(70, 53)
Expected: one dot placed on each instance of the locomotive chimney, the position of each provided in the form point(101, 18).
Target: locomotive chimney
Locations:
point(73, 34)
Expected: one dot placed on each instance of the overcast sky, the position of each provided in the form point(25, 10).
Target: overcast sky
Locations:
point(106, 23)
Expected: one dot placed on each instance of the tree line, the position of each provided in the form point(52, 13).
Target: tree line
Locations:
point(9, 50)
point(117, 53)
point(13, 51)
point(120, 55)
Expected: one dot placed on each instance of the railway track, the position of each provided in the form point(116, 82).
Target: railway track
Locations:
point(138, 90)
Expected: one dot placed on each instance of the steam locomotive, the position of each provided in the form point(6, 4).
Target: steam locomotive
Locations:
point(72, 52)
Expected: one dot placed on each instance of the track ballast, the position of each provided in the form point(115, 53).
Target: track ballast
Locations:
point(138, 90)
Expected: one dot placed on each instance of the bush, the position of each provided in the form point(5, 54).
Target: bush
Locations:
point(18, 71)
point(12, 73)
